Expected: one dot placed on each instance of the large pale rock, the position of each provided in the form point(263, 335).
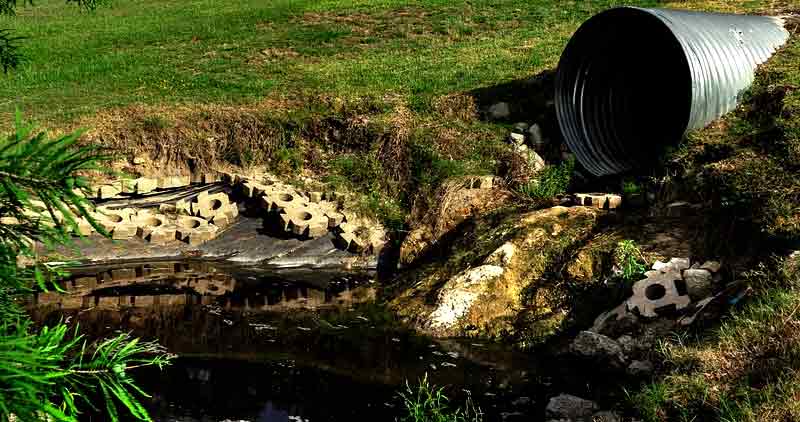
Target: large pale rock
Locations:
point(477, 290)
point(460, 293)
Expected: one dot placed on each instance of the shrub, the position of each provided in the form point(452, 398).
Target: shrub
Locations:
point(630, 261)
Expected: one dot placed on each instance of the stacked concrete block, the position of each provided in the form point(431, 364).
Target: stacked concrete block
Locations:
point(360, 235)
point(194, 230)
point(210, 205)
point(603, 201)
point(155, 228)
point(308, 221)
point(173, 182)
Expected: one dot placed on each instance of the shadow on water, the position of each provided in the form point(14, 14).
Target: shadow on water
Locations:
point(274, 345)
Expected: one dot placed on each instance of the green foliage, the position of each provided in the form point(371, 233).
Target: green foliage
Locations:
point(10, 56)
point(551, 181)
point(54, 372)
point(631, 187)
point(288, 159)
point(630, 261)
point(427, 403)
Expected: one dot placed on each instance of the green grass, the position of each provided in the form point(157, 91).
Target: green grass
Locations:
point(187, 51)
point(427, 403)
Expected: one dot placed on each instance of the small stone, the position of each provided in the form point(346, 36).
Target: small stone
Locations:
point(699, 283)
point(521, 127)
point(483, 182)
point(315, 196)
point(640, 368)
point(566, 406)
point(499, 111)
point(139, 160)
point(535, 135)
point(516, 138)
point(713, 266)
point(535, 161)
point(522, 401)
point(599, 348)
point(606, 416)
point(678, 209)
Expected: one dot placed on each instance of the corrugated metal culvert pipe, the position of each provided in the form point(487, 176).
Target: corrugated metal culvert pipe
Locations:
point(632, 81)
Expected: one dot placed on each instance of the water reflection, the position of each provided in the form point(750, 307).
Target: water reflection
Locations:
point(265, 345)
point(147, 285)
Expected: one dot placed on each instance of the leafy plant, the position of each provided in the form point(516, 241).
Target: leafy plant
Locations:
point(51, 373)
point(427, 403)
point(549, 182)
point(630, 261)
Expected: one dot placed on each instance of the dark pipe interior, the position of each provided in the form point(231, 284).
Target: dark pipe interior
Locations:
point(623, 91)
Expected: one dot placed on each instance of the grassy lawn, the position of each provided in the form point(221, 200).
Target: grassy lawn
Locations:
point(203, 51)
point(352, 92)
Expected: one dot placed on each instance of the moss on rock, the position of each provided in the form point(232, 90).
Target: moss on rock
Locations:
point(494, 274)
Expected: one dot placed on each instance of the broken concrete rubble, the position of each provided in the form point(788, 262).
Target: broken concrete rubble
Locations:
point(657, 294)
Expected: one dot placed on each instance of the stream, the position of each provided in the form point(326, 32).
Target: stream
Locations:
point(276, 344)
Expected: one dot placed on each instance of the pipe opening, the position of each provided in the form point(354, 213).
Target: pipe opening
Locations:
point(623, 91)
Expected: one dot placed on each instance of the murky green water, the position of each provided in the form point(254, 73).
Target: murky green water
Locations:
point(263, 345)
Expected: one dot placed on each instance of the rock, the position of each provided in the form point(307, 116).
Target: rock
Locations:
point(679, 209)
point(522, 401)
point(535, 161)
point(630, 346)
point(566, 406)
point(521, 127)
point(616, 321)
point(139, 160)
point(499, 111)
point(108, 191)
point(511, 251)
point(535, 136)
point(598, 348)
point(606, 416)
point(713, 266)
point(640, 368)
point(699, 283)
point(516, 138)
point(459, 294)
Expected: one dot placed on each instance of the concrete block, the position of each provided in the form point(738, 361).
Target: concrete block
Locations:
point(108, 191)
point(149, 223)
point(315, 196)
point(278, 200)
point(123, 274)
point(183, 207)
point(209, 205)
point(84, 228)
point(124, 231)
point(128, 185)
point(173, 182)
point(162, 235)
point(654, 295)
point(146, 185)
point(601, 201)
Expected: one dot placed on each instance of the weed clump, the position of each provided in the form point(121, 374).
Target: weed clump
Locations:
point(551, 181)
point(427, 403)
